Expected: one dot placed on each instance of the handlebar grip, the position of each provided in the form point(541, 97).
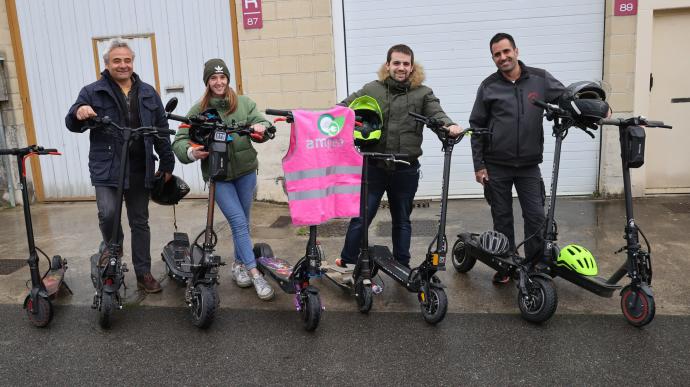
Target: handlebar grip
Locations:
point(175, 117)
point(6, 152)
point(611, 121)
point(540, 103)
point(51, 150)
point(276, 112)
point(165, 131)
point(659, 124)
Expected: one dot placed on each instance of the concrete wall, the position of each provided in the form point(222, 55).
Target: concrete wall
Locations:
point(627, 65)
point(287, 64)
point(619, 76)
point(12, 114)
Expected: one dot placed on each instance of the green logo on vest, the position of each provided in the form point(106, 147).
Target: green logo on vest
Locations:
point(329, 125)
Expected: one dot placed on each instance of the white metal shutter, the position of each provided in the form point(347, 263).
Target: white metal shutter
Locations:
point(450, 38)
point(57, 41)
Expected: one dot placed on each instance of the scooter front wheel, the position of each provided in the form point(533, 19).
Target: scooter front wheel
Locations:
point(364, 296)
point(41, 314)
point(638, 307)
point(204, 303)
point(311, 311)
point(434, 305)
point(462, 261)
point(106, 311)
point(540, 301)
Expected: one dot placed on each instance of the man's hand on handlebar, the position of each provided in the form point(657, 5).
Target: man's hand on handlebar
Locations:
point(454, 130)
point(84, 112)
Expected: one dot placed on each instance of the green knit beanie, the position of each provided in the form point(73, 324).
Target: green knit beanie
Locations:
point(215, 66)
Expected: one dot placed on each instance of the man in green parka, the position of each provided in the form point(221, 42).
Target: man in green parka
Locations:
point(398, 91)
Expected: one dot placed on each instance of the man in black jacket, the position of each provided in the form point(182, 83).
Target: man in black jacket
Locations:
point(129, 102)
point(511, 156)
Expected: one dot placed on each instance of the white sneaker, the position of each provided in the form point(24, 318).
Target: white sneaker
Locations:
point(240, 275)
point(263, 289)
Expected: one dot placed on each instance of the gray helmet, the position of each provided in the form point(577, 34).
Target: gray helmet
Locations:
point(586, 103)
point(493, 242)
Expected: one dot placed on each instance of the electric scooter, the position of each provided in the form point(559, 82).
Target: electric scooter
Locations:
point(537, 298)
point(110, 278)
point(195, 265)
point(295, 279)
point(39, 308)
point(422, 279)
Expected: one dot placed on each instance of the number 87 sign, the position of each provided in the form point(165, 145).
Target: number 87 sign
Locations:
point(251, 14)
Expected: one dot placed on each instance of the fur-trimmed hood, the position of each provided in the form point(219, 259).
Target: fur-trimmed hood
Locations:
point(416, 78)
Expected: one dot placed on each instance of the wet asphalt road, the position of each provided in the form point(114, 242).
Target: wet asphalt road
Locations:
point(158, 346)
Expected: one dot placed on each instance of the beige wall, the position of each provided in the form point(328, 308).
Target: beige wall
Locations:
point(287, 64)
point(627, 65)
point(12, 115)
point(619, 75)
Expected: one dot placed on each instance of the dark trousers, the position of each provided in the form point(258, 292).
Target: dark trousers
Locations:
point(530, 190)
point(137, 204)
point(400, 185)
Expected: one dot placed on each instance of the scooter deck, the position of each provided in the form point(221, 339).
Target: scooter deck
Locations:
point(594, 284)
point(279, 269)
point(341, 276)
point(54, 280)
point(384, 260)
point(503, 264)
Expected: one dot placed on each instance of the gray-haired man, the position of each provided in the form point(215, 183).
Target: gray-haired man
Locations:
point(129, 102)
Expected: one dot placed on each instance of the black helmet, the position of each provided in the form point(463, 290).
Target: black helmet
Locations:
point(586, 103)
point(199, 133)
point(494, 242)
point(170, 192)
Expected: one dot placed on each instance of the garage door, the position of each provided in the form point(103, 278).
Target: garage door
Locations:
point(450, 39)
point(59, 38)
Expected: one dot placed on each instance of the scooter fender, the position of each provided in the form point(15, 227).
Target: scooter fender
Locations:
point(311, 289)
point(645, 288)
point(437, 285)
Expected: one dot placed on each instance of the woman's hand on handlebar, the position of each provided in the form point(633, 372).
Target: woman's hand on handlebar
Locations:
point(84, 112)
point(197, 152)
point(259, 129)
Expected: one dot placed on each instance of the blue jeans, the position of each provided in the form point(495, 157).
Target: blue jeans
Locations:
point(401, 186)
point(234, 199)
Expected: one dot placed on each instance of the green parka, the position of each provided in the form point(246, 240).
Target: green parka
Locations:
point(401, 133)
point(241, 154)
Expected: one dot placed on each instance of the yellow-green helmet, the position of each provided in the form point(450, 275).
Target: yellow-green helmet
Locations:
point(577, 259)
point(368, 112)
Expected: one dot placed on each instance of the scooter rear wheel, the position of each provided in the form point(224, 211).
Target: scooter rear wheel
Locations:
point(41, 314)
point(436, 305)
point(462, 261)
point(638, 307)
point(106, 311)
point(541, 301)
point(364, 296)
point(311, 311)
point(204, 303)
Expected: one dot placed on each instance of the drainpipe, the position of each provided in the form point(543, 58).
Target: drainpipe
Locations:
point(6, 164)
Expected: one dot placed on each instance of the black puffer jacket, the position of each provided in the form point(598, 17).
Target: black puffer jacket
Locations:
point(505, 108)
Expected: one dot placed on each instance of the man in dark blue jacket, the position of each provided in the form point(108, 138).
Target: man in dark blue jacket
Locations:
point(129, 102)
point(512, 154)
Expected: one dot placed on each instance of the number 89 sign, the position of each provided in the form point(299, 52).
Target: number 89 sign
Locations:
point(625, 8)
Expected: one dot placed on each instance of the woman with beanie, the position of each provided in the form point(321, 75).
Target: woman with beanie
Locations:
point(234, 193)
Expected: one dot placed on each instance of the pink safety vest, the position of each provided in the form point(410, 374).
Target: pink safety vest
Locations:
point(323, 170)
